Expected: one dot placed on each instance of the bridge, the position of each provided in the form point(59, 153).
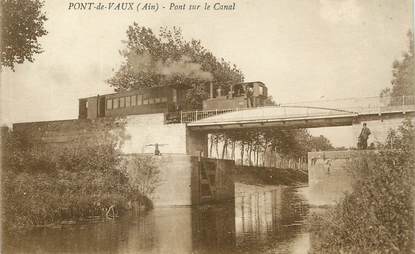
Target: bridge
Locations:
point(308, 114)
point(184, 178)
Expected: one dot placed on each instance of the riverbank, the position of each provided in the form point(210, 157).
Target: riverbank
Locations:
point(270, 176)
point(43, 186)
point(377, 216)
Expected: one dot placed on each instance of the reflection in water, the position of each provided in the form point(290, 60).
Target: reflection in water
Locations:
point(213, 229)
point(261, 220)
point(270, 220)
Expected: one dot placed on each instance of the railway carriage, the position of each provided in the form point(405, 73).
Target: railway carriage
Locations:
point(169, 99)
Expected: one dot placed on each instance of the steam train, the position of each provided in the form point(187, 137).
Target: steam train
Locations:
point(170, 99)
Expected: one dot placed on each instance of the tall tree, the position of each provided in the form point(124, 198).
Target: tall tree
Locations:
point(21, 26)
point(169, 59)
point(403, 82)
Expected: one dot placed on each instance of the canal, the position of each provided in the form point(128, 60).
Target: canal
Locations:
point(262, 219)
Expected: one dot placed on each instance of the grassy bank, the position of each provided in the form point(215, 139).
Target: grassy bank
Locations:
point(378, 215)
point(269, 176)
point(45, 186)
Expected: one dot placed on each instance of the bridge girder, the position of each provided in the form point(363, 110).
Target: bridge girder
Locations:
point(299, 123)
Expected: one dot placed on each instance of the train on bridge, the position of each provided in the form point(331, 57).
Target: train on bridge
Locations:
point(171, 100)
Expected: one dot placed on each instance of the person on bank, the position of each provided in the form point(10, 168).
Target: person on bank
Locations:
point(363, 137)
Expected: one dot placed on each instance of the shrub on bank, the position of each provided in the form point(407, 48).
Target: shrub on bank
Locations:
point(45, 186)
point(378, 215)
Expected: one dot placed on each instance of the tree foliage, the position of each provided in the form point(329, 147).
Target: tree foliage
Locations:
point(378, 215)
point(168, 59)
point(22, 26)
point(403, 71)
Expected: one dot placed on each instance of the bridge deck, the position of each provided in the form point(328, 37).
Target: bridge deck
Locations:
point(339, 112)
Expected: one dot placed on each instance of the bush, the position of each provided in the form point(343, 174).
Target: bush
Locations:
point(41, 186)
point(378, 215)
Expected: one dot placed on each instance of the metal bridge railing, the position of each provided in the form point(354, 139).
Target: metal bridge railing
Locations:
point(191, 116)
point(362, 105)
point(367, 105)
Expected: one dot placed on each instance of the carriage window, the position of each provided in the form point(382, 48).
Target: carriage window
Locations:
point(109, 104)
point(261, 90)
point(151, 101)
point(145, 100)
point(133, 100)
point(115, 103)
point(139, 99)
point(157, 100)
point(163, 99)
point(127, 101)
point(122, 102)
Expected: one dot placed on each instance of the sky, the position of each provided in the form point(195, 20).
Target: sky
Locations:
point(302, 50)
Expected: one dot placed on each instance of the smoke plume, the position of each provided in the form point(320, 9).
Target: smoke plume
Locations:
point(146, 63)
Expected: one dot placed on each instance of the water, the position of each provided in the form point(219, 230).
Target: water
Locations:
point(260, 220)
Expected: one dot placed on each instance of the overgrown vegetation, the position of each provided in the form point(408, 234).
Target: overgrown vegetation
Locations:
point(145, 177)
point(43, 186)
point(378, 215)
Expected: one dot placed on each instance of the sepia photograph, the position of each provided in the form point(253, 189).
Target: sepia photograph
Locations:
point(207, 126)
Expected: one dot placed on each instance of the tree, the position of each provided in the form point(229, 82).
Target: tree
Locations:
point(253, 144)
point(168, 59)
point(403, 82)
point(22, 25)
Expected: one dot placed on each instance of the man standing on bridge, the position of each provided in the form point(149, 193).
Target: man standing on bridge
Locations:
point(363, 137)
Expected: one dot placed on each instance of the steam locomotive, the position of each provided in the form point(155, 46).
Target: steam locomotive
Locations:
point(169, 99)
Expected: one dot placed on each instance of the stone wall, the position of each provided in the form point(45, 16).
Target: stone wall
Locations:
point(55, 136)
point(212, 181)
point(188, 180)
point(137, 133)
point(143, 130)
